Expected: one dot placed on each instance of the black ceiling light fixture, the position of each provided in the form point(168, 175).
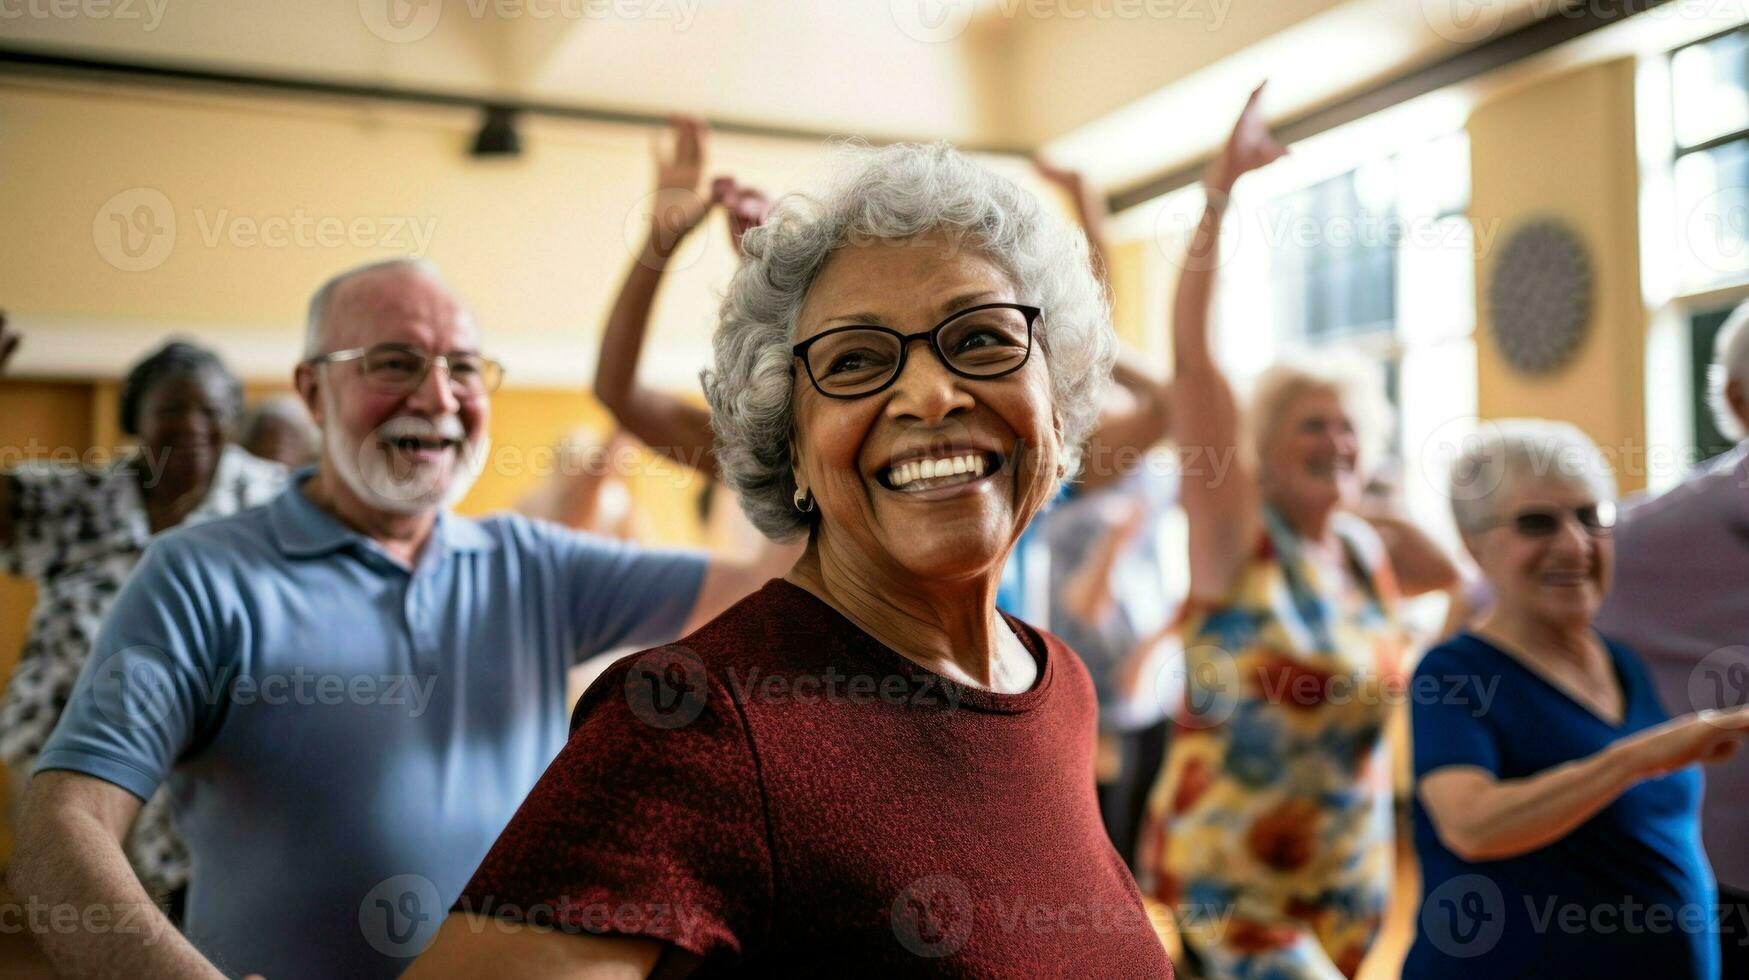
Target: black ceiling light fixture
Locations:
point(498, 136)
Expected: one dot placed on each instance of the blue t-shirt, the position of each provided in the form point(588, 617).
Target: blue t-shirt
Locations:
point(1627, 894)
point(344, 737)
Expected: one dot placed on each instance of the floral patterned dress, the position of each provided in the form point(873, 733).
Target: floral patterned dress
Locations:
point(1269, 831)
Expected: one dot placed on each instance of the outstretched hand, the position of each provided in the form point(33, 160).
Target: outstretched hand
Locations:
point(680, 203)
point(746, 207)
point(1248, 147)
point(1704, 737)
point(9, 340)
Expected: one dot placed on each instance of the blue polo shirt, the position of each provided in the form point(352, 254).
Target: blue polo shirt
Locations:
point(344, 737)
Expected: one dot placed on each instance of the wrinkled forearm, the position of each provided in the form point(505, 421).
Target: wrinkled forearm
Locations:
point(1516, 816)
point(87, 910)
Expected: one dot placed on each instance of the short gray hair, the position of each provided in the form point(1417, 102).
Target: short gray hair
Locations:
point(1506, 450)
point(316, 323)
point(1730, 363)
point(891, 193)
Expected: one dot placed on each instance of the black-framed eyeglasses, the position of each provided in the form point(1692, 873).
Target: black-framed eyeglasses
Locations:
point(397, 369)
point(1597, 520)
point(980, 342)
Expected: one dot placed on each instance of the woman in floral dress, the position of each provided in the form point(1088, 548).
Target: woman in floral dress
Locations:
point(1269, 830)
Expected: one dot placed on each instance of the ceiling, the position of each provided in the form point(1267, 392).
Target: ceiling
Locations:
point(1116, 88)
point(1003, 72)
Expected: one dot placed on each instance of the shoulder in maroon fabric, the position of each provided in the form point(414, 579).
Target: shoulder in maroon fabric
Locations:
point(801, 799)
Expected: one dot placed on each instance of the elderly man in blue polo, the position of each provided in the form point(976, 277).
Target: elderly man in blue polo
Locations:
point(348, 691)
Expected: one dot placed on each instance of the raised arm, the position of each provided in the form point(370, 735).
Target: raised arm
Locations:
point(1090, 212)
point(69, 856)
point(1485, 819)
point(664, 422)
point(1124, 437)
point(1117, 445)
point(1088, 593)
point(1219, 492)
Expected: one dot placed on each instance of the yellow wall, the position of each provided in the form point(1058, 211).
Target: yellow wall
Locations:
point(535, 245)
point(1563, 147)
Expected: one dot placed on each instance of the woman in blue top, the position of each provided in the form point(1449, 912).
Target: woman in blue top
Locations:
point(1556, 807)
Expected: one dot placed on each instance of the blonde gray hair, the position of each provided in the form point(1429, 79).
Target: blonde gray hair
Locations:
point(1357, 382)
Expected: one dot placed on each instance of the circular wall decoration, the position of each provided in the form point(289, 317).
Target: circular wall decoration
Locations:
point(1539, 301)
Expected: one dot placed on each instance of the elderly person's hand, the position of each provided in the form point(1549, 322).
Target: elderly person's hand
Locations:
point(745, 205)
point(679, 205)
point(1703, 737)
point(1248, 147)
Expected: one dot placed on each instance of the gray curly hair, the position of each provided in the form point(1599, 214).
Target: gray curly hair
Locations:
point(891, 193)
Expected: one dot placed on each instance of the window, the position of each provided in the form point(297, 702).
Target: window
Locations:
point(1335, 268)
point(1709, 91)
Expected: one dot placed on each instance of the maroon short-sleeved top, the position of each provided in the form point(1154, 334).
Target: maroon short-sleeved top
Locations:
point(782, 794)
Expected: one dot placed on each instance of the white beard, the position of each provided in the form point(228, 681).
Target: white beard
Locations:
point(362, 466)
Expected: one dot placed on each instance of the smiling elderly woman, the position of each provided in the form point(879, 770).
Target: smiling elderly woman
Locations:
point(863, 768)
point(1549, 780)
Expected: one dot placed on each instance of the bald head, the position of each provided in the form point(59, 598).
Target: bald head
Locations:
point(343, 308)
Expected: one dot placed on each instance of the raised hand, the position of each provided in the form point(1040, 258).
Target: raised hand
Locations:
point(746, 207)
point(1248, 147)
point(9, 340)
point(680, 204)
